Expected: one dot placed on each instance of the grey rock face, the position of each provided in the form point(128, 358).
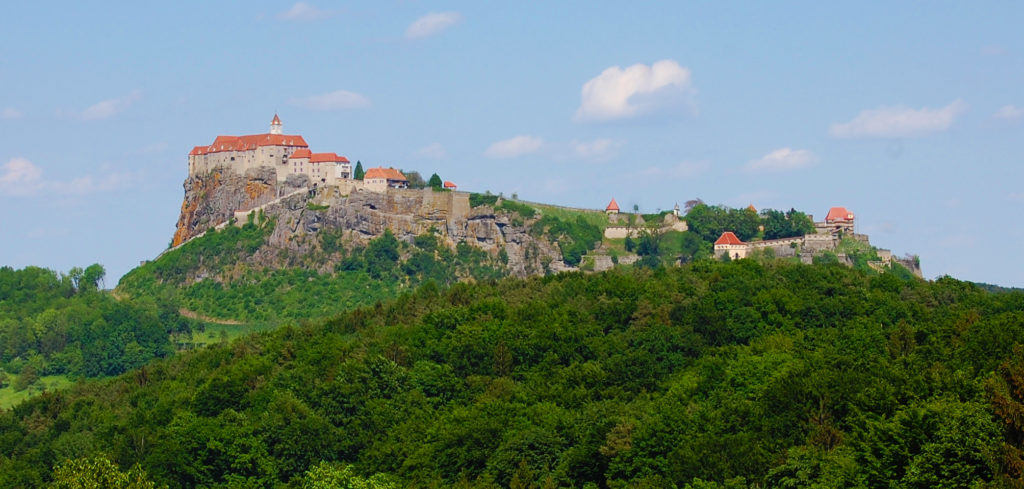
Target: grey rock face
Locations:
point(358, 216)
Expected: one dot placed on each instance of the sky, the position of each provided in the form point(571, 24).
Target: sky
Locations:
point(910, 114)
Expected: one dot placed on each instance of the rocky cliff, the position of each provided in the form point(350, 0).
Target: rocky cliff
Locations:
point(355, 215)
point(213, 198)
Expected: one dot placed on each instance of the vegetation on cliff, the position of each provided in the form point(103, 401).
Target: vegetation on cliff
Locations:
point(742, 374)
point(213, 276)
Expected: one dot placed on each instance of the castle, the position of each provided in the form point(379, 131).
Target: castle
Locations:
point(827, 234)
point(288, 155)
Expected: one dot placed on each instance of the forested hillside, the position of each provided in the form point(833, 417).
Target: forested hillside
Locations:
point(54, 324)
point(741, 374)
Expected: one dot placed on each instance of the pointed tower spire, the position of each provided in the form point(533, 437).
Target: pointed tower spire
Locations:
point(275, 126)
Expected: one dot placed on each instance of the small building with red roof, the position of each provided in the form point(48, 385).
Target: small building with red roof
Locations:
point(450, 186)
point(613, 207)
point(730, 244)
point(838, 220)
point(380, 179)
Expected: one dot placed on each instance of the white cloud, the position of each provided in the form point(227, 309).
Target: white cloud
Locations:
point(432, 23)
point(512, 147)
point(782, 159)
point(305, 11)
point(596, 150)
point(11, 113)
point(336, 100)
point(638, 90)
point(1009, 112)
point(433, 151)
point(20, 177)
point(107, 108)
point(899, 121)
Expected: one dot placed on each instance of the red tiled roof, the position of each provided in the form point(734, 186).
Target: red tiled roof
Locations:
point(612, 206)
point(727, 238)
point(385, 173)
point(751, 208)
point(838, 214)
point(276, 121)
point(448, 184)
point(327, 158)
point(301, 153)
point(245, 143)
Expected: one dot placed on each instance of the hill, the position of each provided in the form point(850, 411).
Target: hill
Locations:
point(742, 374)
point(55, 325)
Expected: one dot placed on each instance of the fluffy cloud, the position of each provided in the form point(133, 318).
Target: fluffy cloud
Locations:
point(1009, 112)
point(512, 147)
point(10, 113)
point(110, 107)
point(432, 23)
point(782, 159)
point(596, 150)
point(433, 151)
point(899, 122)
point(336, 100)
point(638, 90)
point(19, 177)
point(304, 11)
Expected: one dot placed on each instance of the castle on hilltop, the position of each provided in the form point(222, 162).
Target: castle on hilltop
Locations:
point(827, 235)
point(286, 154)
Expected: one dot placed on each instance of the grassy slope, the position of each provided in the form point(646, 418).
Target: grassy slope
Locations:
point(10, 397)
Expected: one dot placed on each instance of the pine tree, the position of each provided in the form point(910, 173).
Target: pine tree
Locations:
point(435, 181)
point(359, 171)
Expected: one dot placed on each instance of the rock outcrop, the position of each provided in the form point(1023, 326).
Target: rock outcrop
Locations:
point(359, 215)
point(213, 198)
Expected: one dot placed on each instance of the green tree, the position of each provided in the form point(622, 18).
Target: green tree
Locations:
point(27, 378)
point(98, 473)
point(92, 276)
point(785, 225)
point(414, 178)
point(359, 172)
point(1006, 394)
point(334, 476)
point(435, 181)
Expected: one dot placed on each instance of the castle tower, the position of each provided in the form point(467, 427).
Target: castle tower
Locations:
point(275, 126)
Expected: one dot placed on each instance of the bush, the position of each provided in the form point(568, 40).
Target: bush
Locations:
point(477, 200)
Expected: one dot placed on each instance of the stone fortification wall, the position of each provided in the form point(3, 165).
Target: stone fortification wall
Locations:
point(620, 232)
point(819, 242)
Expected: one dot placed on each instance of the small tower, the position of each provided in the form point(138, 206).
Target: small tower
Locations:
point(613, 207)
point(275, 126)
point(675, 211)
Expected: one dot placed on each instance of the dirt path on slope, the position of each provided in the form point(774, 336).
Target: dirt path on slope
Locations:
point(195, 315)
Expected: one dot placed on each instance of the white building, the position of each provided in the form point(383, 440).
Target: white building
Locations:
point(287, 154)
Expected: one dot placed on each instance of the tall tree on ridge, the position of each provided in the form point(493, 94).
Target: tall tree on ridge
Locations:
point(359, 172)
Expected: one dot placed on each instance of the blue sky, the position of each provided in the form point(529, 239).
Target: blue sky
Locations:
point(909, 114)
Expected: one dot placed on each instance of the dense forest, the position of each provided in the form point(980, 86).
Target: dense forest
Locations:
point(754, 373)
point(54, 324)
